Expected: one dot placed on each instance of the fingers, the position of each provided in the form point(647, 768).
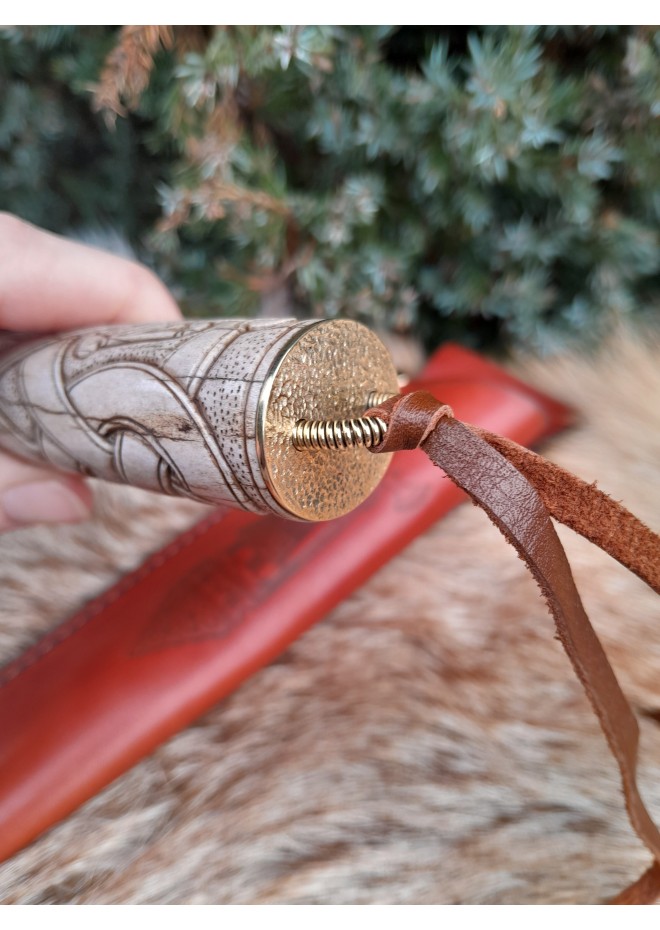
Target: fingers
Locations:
point(33, 495)
point(49, 283)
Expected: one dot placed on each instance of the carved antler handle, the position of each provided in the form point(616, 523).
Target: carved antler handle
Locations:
point(204, 409)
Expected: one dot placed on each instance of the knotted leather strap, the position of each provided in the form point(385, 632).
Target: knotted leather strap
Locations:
point(519, 490)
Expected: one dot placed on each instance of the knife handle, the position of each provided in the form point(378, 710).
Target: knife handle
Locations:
point(205, 409)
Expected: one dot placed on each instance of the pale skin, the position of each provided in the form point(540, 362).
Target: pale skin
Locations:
point(48, 283)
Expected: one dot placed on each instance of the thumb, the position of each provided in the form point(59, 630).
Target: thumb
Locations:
point(32, 495)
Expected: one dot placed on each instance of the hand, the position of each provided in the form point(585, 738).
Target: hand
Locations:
point(48, 283)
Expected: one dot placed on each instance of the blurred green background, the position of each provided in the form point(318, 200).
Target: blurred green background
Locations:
point(493, 185)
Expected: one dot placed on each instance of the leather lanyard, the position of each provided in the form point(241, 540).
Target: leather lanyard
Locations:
point(520, 491)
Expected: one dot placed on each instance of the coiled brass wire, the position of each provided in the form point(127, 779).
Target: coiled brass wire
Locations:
point(339, 434)
point(378, 397)
point(342, 434)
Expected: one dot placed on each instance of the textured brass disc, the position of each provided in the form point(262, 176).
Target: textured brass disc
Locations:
point(327, 372)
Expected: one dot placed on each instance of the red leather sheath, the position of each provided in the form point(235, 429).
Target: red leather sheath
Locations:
point(158, 649)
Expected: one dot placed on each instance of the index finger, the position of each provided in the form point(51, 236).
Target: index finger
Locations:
point(49, 283)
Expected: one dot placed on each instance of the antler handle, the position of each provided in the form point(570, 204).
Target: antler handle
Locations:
point(204, 409)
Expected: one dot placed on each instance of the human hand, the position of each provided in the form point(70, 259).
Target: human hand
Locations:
point(48, 283)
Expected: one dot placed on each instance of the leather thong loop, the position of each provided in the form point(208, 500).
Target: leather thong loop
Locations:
point(519, 490)
point(410, 418)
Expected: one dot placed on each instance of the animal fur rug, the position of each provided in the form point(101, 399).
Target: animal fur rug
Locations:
point(426, 743)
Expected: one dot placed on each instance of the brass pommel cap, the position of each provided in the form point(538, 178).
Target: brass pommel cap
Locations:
point(327, 372)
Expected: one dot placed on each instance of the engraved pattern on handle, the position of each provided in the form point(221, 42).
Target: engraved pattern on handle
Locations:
point(169, 407)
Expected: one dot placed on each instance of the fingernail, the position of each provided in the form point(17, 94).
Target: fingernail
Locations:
point(42, 502)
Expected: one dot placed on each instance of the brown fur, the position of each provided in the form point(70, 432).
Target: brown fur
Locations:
point(426, 743)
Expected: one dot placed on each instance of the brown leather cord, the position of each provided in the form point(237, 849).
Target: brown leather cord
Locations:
point(586, 509)
point(644, 891)
point(519, 490)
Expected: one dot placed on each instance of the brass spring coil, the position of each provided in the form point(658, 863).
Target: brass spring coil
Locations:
point(377, 397)
point(339, 434)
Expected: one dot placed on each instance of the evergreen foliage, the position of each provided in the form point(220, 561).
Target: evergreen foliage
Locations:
point(495, 183)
